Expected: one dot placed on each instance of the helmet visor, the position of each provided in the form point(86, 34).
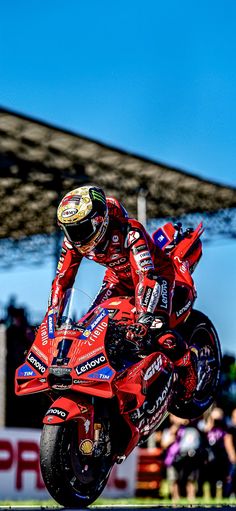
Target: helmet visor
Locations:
point(79, 233)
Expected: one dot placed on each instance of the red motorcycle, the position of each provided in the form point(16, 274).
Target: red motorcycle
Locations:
point(104, 405)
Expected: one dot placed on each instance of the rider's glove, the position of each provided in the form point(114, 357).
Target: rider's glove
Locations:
point(137, 331)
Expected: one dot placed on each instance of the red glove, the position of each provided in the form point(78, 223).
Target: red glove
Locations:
point(136, 332)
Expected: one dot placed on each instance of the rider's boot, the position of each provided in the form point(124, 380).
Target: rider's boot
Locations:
point(187, 376)
point(173, 346)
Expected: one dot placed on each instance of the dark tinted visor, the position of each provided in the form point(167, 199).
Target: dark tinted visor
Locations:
point(79, 233)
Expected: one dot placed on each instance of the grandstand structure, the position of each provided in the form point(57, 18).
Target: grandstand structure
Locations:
point(40, 162)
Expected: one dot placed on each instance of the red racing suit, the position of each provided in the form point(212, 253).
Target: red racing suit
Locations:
point(135, 266)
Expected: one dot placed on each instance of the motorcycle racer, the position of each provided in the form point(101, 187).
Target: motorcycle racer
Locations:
point(98, 228)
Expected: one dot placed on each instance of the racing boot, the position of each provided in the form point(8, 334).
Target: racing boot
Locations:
point(187, 376)
point(175, 348)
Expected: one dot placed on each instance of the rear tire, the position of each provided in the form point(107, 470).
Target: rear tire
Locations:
point(204, 343)
point(72, 479)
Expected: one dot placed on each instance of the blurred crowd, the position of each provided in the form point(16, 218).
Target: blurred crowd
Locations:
point(198, 452)
point(26, 411)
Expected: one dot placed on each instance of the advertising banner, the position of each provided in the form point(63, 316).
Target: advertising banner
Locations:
point(20, 476)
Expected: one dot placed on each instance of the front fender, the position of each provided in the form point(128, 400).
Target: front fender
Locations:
point(65, 409)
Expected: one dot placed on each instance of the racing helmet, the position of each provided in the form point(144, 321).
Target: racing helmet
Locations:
point(83, 216)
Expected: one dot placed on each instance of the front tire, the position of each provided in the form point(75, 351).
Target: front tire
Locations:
point(204, 343)
point(72, 479)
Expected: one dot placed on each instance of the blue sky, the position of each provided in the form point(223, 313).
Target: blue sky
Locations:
point(157, 78)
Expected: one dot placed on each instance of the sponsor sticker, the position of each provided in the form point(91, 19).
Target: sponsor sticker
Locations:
point(86, 446)
point(184, 309)
point(104, 374)
point(35, 362)
point(131, 238)
point(92, 363)
point(115, 238)
point(69, 212)
point(160, 238)
point(58, 412)
point(153, 368)
point(25, 371)
point(68, 245)
point(94, 324)
point(147, 296)
point(146, 264)
point(141, 248)
point(154, 298)
point(51, 333)
point(164, 295)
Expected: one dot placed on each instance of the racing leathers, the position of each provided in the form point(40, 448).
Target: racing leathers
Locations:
point(134, 266)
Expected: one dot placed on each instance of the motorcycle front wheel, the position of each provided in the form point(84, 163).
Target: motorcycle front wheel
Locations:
point(72, 479)
point(203, 341)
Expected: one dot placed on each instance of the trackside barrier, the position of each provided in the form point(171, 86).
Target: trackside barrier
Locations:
point(20, 476)
point(150, 469)
point(3, 353)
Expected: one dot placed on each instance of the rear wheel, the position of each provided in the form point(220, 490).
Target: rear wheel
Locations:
point(72, 479)
point(204, 343)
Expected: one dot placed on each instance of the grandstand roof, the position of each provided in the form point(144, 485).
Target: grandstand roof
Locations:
point(40, 162)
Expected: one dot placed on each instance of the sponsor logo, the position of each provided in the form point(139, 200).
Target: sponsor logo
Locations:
point(98, 319)
point(184, 309)
point(160, 398)
point(93, 352)
point(154, 368)
point(51, 325)
point(115, 238)
point(36, 362)
point(107, 294)
point(154, 298)
point(164, 295)
point(44, 333)
point(104, 374)
point(147, 295)
point(59, 412)
point(160, 238)
point(67, 244)
point(40, 353)
point(69, 212)
point(183, 265)
point(87, 425)
point(25, 371)
point(112, 312)
point(118, 262)
point(96, 327)
point(115, 256)
point(143, 255)
point(131, 238)
point(141, 248)
point(92, 363)
point(146, 263)
point(86, 446)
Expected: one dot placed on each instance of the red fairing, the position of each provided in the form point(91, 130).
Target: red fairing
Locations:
point(133, 262)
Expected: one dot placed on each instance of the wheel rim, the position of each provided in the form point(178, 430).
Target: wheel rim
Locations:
point(205, 349)
point(85, 474)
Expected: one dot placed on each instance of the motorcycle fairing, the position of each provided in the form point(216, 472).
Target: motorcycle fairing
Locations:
point(144, 393)
point(67, 408)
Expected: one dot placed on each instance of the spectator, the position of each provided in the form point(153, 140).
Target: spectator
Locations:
point(20, 336)
point(230, 445)
point(217, 467)
point(182, 442)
